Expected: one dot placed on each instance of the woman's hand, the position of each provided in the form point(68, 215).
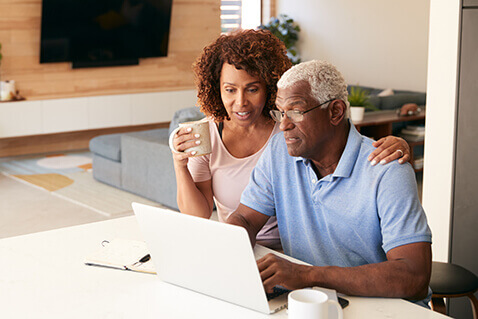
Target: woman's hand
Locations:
point(182, 140)
point(388, 149)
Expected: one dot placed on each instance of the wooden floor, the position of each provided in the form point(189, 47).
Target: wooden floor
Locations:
point(25, 209)
point(59, 142)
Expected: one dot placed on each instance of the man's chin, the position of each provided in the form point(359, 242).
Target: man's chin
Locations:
point(293, 151)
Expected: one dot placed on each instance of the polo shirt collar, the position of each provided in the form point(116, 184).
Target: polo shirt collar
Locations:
point(350, 153)
point(349, 156)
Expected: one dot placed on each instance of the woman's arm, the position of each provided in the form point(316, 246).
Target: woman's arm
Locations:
point(193, 198)
point(389, 149)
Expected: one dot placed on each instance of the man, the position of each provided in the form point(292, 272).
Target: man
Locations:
point(361, 226)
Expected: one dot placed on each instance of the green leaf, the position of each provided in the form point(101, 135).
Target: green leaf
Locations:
point(358, 97)
point(284, 29)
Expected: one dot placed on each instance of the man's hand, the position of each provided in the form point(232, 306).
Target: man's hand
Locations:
point(278, 271)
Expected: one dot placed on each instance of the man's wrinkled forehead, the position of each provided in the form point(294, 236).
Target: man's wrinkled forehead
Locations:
point(298, 93)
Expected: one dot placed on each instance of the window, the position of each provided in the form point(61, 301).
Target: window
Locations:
point(244, 14)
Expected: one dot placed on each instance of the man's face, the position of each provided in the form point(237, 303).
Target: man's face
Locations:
point(305, 138)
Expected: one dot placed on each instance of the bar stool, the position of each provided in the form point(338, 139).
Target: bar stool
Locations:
point(452, 281)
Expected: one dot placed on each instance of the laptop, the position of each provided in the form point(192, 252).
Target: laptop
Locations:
point(209, 257)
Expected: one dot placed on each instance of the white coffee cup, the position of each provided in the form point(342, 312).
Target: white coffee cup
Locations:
point(310, 304)
point(7, 90)
point(198, 127)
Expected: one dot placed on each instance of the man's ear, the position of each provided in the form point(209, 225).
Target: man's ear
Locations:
point(337, 111)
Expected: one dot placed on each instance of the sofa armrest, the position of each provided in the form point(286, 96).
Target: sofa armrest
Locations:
point(147, 166)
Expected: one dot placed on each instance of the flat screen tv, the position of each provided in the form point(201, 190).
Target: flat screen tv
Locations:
point(93, 33)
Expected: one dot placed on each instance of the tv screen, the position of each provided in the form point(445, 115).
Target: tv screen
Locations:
point(92, 33)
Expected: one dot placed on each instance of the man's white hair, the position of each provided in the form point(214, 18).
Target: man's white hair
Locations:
point(326, 82)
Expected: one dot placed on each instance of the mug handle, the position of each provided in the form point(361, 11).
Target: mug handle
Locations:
point(339, 308)
point(171, 136)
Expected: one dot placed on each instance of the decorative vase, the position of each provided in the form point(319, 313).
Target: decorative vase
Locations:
point(356, 113)
point(7, 90)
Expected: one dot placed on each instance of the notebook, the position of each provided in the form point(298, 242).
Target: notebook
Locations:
point(123, 254)
point(209, 257)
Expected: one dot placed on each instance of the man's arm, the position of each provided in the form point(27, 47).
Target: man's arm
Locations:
point(405, 274)
point(250, 219)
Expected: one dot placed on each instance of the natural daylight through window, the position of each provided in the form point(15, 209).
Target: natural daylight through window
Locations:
point(243, 14)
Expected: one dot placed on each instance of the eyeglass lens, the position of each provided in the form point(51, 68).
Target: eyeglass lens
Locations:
point(293, 115)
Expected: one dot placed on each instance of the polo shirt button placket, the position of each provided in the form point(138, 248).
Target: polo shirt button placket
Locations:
point(316, 190)
point(317, 184)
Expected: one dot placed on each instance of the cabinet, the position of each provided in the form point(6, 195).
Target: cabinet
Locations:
point(470, 3)
point(465, 202)
point(379, 124)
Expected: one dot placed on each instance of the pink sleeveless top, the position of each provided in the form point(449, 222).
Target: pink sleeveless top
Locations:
point(230, 176)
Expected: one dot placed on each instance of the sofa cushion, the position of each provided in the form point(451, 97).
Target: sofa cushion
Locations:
point(108, 146)
point(185, 115)
point(147, 167)
point(395, 101)
point(370, 90)
point(375, 101)
point(107, 171)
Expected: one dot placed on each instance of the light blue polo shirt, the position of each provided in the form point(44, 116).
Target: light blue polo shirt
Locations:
point(349, 218)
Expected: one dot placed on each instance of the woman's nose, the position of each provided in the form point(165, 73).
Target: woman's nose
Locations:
point(241, 99)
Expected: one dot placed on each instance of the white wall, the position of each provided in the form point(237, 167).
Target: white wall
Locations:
point(378, 43)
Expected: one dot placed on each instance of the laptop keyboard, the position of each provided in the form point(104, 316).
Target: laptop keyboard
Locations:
point(278, 291)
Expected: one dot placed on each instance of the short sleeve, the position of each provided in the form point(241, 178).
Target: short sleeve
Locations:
point(402, 218)
point(259, 194)
point(199, 168)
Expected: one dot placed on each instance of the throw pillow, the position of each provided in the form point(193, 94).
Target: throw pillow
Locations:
point(386, 92)
point(185, 115)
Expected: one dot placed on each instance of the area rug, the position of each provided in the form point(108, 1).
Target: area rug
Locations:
point(70, 176)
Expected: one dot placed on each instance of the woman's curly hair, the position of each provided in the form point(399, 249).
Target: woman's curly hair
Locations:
point(258, 52)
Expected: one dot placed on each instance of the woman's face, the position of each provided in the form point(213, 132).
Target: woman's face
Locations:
point(242, 94)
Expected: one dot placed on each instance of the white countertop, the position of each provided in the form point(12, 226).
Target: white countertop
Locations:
point(43, 275)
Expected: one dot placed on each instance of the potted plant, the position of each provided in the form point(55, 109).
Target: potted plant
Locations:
point(358, 99)
point(287, 31)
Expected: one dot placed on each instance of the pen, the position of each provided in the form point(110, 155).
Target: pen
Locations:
point(141, 261)
point(145, 258)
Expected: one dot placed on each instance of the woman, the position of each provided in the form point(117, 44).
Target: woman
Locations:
point(236, 78)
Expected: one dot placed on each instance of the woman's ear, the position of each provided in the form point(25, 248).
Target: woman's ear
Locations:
point(337, 110)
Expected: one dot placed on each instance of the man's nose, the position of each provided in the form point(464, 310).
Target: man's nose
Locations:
point(286, 123)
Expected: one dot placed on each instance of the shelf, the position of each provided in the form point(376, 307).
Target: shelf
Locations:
point(379, 124)
point(412, 144)
point(17, 98)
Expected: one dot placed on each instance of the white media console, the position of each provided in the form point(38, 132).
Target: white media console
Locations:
point(25, 118)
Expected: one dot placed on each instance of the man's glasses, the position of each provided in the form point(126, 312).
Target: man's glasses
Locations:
point(294, 115)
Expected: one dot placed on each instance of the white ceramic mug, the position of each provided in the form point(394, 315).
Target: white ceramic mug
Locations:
point(198, 127)
point(7, 90)
point(310, 304)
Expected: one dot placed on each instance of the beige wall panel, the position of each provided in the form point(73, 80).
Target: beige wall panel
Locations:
point(193, 25)
point(21, 10)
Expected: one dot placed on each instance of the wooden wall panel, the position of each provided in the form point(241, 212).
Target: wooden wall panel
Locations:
point(193, 25)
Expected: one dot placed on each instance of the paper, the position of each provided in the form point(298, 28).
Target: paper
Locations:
point(122, 254)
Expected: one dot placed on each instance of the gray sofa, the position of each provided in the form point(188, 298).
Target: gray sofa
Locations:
point(392, 102)
point(141, 162)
